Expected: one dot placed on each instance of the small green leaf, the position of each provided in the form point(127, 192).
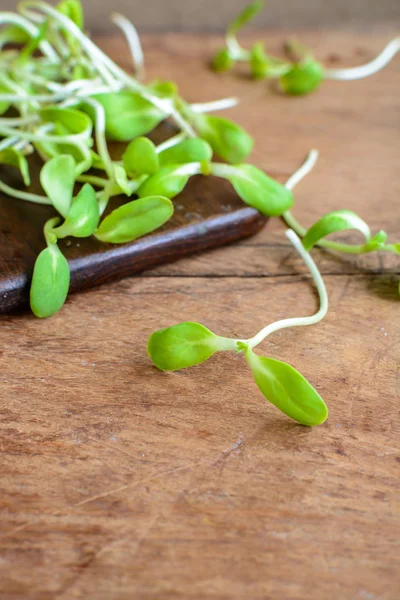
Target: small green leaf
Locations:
point(67, 120)
point(287, 389)
point(245, 16)
point(83, 217)
point(181, 346)
point(73, 10)
point(303, 78)
point(228, 140)
point(135, 219)
point(192, 150)
point(50, 282)
point(128, 115)
point(222, 61)
point(257, 189)
point(163, 89)
point(122, 180)
point(58, 178)
point(167, 182)
point(15, 158)
point(376, 242)
point(140, 158)
point(339, 220)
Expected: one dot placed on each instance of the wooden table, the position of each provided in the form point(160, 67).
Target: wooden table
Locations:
point(122, 482)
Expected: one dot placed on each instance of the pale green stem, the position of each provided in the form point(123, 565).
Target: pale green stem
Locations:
point(370, 68)
point(100, 132)
point(93, 180)
point(132, 37)
point(23, 195)
point(223, 104)
point(176, 139)
point(14, 19)
point(300, 321)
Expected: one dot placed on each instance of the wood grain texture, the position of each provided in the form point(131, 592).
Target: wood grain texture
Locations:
point(119, 482)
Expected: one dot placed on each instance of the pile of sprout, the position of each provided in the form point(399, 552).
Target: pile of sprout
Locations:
point(63, 98)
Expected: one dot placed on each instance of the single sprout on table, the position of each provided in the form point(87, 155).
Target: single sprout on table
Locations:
point(300, 73)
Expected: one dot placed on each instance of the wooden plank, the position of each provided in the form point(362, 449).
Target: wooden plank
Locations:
point(119, 481)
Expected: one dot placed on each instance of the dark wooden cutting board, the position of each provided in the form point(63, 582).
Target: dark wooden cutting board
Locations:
point(208, 214)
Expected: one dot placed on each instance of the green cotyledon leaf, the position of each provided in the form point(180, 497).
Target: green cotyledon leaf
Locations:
point(83, 216)
point(181, 346)
point(58, 178)
point(141, 158)
point(338, 220)
point(135, 219)
point(15, 158)
point(256, 188)
point(187, 151)
point(168, 182)
point(228, 140)
point(287, 389)
point(50, 282)
point(128, 115)
point(303, 78)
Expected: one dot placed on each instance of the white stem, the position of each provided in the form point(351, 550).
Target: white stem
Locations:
point(100, 132)
point(132, 37)
point(74, 139)
point(223, 104)
point(370, 68)
point(300, 321)
point(18, 121)
point(23, 195)
point(304, 170)
point(7, 142)
point(235, 49)
point(176, 139)
point(32, 31)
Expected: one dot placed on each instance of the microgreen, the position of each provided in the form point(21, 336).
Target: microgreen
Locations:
point(140, 158)
point(227, 139)
point(83, 216)
point(134, 219)
point(58, 178)
point(299, 73)
point(188, 344)
point(14, 158)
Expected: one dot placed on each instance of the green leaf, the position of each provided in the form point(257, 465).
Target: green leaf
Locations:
point(287, 389)
point(128, 115)
point(50, 282)
point(245, 16)
point(167, 182)
point(83, 217)
point(303, 78)
point(13, 35)
point(67, 120)
point(58, 178)
point(339, 220)
point(15, 158)
point(140, 158)
point(256, 188)
point(135, 219)
point(181, 346)
point(187, 151)
point(222, 61)
point(73, 10)
point(163, 89)
point(122, 180)
point(228, 140)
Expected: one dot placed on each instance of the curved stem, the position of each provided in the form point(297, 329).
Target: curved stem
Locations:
point(100, 132)
point(23, 195)
point(223, 104)
point(132, 37)
point(300, 321)
point(176, 139)
point(368, 69)
point(32, 31)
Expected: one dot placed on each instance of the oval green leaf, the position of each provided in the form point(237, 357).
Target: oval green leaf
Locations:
point(187, 151)
point(67, 120)
point(303, 78)
point(222, 61)
point(181, 346)
point(256, 188)
point(166, 182)
point(83, 217)
point(287, 389)
point(58, 178)
point(15, 158)
point(338, 220)
point(140, 158)
point(50, 282)
point(128, 115)
point(135, 219)
point(228, 140)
